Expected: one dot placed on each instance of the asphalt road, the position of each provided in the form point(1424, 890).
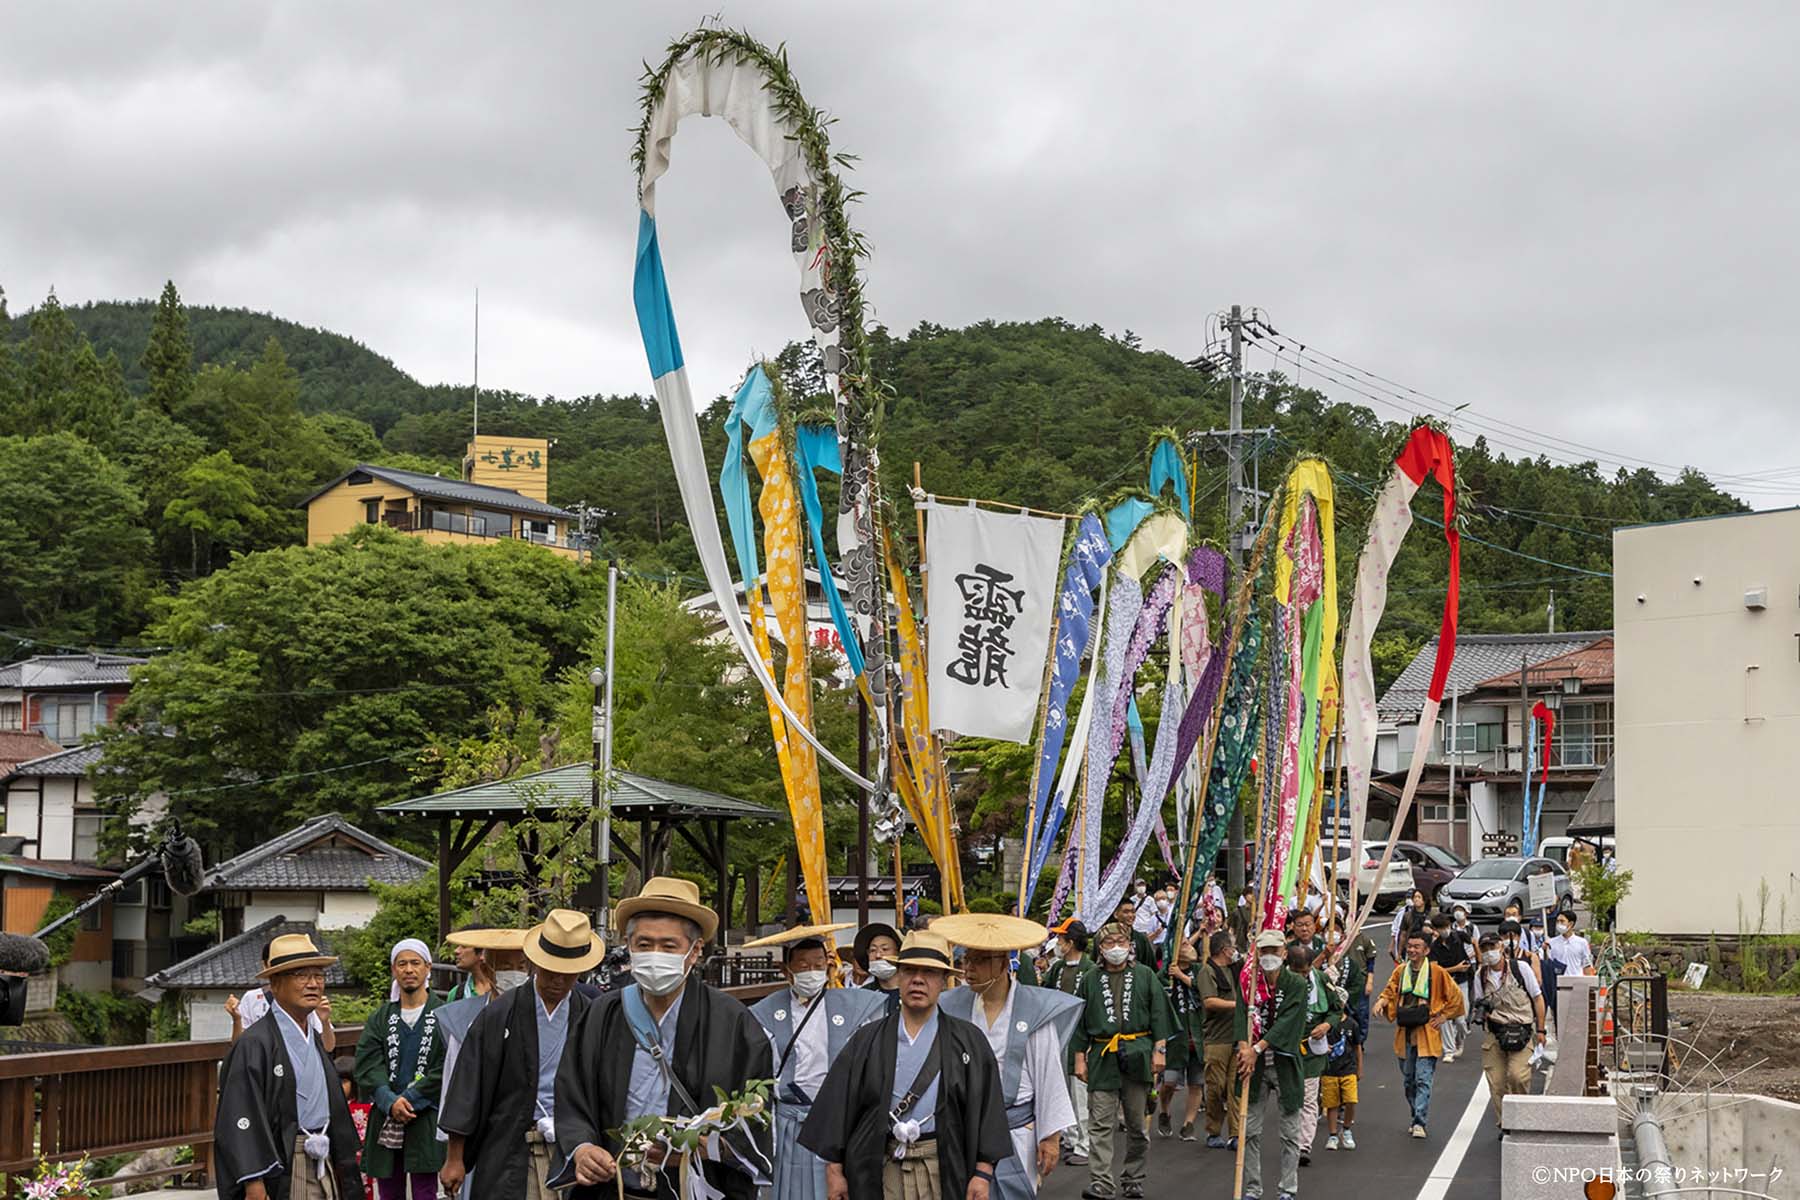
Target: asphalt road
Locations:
point(1387, 1163)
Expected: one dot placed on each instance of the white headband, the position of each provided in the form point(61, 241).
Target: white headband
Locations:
point(401, 947)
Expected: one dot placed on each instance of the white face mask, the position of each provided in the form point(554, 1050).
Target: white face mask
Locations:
point(808, 984)
point(1142, 889)
point(1491, 957)
point(1462, 918)
point(1563, 928)
point(506, 981)
point(1116, 955)
point(882, 969)
point(1163, 907)
point(1271, 962)
point(658, 973)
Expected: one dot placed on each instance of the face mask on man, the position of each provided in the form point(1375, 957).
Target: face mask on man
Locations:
point(1271, 962)
point(1163, 907)
point(1116, 955)
point(1462, 919)
point(658, 973)
point(808, 984)
point(882, 969)
point(1491, 957)
point(506, 981)
point(1563, 928)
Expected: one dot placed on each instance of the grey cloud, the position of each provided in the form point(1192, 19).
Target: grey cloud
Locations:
point(1573, 217)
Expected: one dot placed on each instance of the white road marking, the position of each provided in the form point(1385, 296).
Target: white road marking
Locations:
point(1443, 1172)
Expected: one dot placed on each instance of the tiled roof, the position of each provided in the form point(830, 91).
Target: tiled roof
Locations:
point(69, 671)
point(63, 869)
point(234, 963)
point(17, 747)
point(1592, 664)
point(634, 797)
point(452, 491)
point(73, 762)
point(326, 853)
point(1479, 657)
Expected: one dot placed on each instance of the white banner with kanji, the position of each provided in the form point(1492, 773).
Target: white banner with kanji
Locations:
point(990, 591)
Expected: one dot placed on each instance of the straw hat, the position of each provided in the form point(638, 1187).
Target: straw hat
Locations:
point(926, 948)
point(565, 942)
point(801, 933)
point(990, 931)
point(490, 939)
point(674, 897)
point(292, 952)
point(859, 949)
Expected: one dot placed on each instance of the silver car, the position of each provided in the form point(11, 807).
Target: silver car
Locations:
point(1488, 886)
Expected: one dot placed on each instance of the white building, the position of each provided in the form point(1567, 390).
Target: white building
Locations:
point(1707, 614)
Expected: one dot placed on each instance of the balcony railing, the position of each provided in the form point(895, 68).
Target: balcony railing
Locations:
point(1585, 754)
point(466, 525)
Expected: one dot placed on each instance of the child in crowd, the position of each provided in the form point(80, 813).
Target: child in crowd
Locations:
point(359, 1112)
point(1337, 1089)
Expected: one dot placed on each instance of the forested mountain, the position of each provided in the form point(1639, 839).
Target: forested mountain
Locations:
point(185, 436)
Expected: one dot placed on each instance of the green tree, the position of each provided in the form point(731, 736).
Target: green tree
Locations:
point(216, 507)
point(306, 680)
point(72, 541)
point(169, 358)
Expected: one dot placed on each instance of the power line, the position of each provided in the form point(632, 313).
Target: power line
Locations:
point(1313, 356)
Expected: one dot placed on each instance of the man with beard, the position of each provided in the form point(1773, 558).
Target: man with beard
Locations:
point(912, 1109)
point(808, 1025)
point(1028, 1029)
point(399, 1061)
point(661, 1046)
point(283, 1130)
point(500, 1110)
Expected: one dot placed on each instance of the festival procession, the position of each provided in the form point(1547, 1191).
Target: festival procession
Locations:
point(965, 1054)
point(1172, 818)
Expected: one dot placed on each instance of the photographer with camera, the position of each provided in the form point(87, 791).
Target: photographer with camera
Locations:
point(1508, 1000)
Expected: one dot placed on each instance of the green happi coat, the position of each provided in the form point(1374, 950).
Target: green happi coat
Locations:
point(1066, 976)
point(1145, 1013)
point(1188, 1042)
point(1284, 1036)
point(1324, 1007)
point(409, 1067)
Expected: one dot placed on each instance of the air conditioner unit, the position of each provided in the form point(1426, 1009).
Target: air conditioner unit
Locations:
point(1756, 599)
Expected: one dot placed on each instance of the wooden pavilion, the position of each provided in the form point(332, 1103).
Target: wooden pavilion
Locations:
point(661, 810)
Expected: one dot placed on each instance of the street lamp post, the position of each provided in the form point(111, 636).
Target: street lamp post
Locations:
point(602, 680)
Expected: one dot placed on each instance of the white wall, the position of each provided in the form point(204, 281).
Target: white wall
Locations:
point(1707, 721)
point(295, 906)
point(346, 910)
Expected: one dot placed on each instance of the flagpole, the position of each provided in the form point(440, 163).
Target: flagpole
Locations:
point(1037, 765)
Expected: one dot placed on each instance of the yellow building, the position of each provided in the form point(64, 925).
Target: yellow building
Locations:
point(450, 510)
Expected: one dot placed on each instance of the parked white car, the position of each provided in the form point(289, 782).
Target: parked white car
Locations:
point(1396, 882)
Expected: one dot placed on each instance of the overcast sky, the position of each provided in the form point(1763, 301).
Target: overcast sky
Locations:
point(1576, 218)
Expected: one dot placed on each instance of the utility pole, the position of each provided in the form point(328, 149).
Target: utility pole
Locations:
point(1524, 752)
point(1237, 499)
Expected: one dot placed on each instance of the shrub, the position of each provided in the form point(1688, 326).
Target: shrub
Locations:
point(105, 1018)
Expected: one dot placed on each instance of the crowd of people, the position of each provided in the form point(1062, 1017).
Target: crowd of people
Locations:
point(965, 1059)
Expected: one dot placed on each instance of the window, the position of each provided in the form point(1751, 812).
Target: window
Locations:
point(1471, 737)
point(87, 836)
point(161, 899)
point(1433, 812)
point(1584, 733)
point(73, 720)
point(131, 895)
point(90, 920)
point(372, 511)
point(12, 714)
